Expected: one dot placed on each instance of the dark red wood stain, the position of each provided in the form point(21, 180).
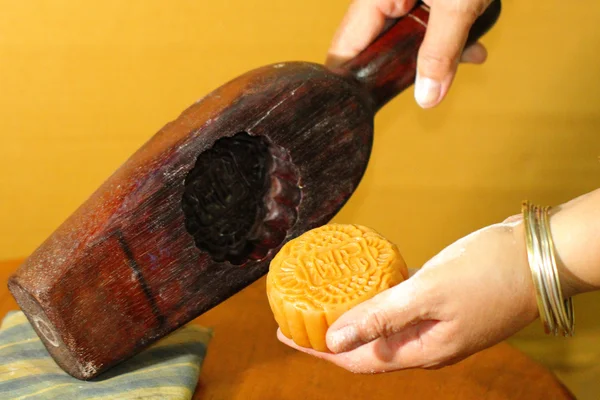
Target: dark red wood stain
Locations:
point(123, 271)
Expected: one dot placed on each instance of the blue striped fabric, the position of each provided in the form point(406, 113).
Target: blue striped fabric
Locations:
point(167, 370)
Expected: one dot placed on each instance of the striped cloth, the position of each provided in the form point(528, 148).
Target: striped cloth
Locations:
point(167, 370)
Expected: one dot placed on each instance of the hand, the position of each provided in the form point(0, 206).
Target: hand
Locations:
point(472, 295)
point(442, 48)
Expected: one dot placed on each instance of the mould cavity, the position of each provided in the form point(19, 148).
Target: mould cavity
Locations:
point(241, 198)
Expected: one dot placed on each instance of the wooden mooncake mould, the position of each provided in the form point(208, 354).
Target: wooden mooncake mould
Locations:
point(321, 274)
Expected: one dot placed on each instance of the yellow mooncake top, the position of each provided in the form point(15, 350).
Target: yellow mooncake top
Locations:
point(326, 271)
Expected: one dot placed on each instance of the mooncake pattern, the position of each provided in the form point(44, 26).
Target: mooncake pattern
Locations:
point(325, 272)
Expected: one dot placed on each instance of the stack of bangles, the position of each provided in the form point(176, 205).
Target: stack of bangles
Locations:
point(555, 312)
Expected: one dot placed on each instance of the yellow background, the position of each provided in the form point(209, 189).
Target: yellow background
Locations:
point(84, 84)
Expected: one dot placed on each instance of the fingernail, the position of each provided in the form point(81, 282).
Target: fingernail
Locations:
point(343, 339)
point(427, 91)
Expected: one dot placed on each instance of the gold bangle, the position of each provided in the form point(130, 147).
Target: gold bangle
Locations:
point(534, 265)
point(556, 314)
point(563, 307)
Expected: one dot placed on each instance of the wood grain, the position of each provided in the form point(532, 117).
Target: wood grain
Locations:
point(123, 270)
point(245, 361)
point(164, 239)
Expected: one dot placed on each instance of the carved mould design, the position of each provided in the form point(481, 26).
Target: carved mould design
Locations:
point(241, 198)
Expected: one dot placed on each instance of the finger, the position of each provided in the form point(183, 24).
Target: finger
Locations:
point(360, 360)
point(474, 54)
point(362, 23)
point(382, 316)
point(400, 351)
point(289, 342)
point(440, 52)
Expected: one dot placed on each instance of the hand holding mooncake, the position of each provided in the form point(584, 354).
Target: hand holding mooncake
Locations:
point(323, 273)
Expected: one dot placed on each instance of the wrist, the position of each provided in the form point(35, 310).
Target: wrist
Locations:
point(575, 229)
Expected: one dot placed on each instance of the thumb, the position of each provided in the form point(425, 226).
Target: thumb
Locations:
point(381, 316)
point(440, 52)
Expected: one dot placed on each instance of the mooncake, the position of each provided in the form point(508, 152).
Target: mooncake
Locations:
point(323, 273)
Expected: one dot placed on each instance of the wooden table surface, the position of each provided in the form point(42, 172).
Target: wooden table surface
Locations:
point(246, 361)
